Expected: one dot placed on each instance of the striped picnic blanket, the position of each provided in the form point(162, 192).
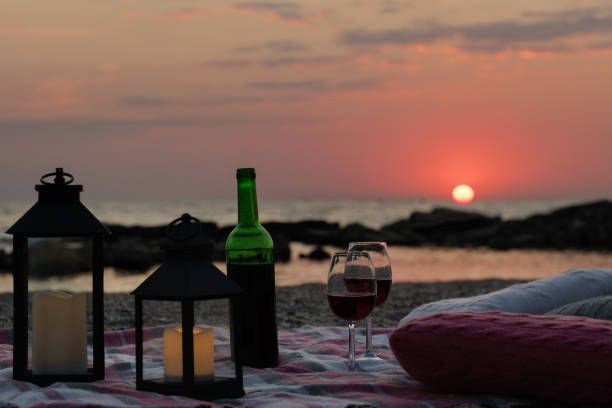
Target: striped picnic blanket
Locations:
point(312, 373)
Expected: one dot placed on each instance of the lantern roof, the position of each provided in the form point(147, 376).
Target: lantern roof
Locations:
point(58, 211)
point(188, 272)
point(187, 280)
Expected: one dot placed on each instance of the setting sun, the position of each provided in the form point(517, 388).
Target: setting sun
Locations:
point(463, 194)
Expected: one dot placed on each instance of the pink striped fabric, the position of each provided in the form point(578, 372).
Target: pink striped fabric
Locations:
point(312, 374)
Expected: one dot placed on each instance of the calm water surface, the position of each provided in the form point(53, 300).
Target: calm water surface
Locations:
point(409, 265)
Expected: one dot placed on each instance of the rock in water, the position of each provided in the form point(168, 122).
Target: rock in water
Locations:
point(134, 254)
point(5, 261)
point(441, 225)
point(359, 233)
point(585, 226)
point(317, 254)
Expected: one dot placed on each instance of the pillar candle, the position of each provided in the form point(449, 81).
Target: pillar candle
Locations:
point(59, 333)
point(203, 354)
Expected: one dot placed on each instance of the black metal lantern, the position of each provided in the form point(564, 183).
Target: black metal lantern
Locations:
point(58, 216)
point(188, 276)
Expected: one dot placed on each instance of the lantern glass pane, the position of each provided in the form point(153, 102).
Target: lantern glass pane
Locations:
point(60, 283)
point(162, 353)
point(213, 315)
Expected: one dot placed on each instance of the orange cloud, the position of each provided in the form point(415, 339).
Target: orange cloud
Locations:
point(182, 14)
point(185, 14)
point(61, 94)
point(8, 29)
point(53, 93)
point(288, 12)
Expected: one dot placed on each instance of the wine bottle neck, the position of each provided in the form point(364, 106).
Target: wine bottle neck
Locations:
point(247, 202)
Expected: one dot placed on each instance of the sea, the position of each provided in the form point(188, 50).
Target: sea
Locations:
point(423, 264)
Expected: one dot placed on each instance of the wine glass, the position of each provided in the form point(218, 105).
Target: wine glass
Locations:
point(351, 291)
point(382, 270)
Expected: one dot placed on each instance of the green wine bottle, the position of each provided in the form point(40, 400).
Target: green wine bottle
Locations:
point(249, 252)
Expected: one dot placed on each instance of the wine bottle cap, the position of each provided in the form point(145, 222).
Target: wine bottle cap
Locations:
point(245, 173)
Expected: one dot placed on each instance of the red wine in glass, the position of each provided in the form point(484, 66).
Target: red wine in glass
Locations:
point(382, 268)
point(359, 285)
point(351, 291)
point(383, 287)
point(351, 306)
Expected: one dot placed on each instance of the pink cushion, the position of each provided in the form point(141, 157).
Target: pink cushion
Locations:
point(550, 357)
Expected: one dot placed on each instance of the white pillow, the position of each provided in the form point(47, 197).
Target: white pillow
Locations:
point(534, 297)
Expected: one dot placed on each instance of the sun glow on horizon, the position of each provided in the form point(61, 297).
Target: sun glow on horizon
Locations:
point(463, 194)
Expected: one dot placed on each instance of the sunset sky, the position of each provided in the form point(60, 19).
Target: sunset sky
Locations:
point(359, 98)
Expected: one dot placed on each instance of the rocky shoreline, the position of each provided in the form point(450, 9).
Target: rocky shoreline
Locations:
point(296, 305)
point(582, 227)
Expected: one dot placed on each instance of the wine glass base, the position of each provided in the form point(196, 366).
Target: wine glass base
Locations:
point(352, 367)
point(371, 356)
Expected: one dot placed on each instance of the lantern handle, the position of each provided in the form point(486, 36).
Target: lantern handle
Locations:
point(179, 230)
point(59, 177)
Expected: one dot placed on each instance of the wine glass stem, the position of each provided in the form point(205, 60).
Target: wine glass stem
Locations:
point(368, 335)
point(351, 363)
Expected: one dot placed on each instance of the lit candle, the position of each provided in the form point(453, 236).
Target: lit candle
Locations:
point(203, 354)
point(59, 333)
